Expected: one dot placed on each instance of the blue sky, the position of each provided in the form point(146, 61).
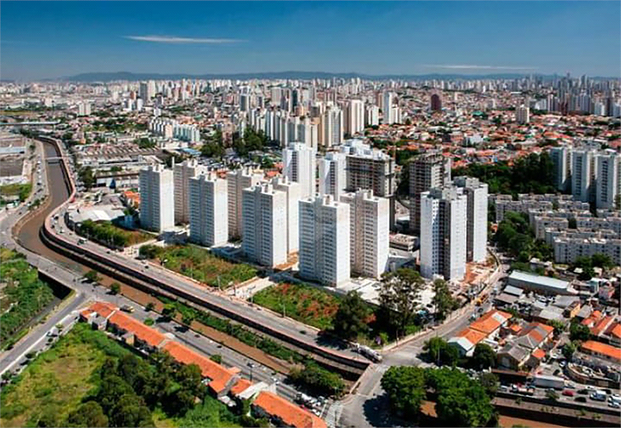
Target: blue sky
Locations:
point(49, 39)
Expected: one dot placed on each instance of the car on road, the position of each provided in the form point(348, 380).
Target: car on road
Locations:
point(568, 393)
point(581, 399)
point(614, 404)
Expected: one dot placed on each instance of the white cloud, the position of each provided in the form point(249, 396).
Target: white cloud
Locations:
point(180, 40)
point(479, 67)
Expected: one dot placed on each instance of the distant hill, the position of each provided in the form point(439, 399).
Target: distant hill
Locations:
point(301, 75)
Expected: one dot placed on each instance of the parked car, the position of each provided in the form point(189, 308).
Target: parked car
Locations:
point(568, 393)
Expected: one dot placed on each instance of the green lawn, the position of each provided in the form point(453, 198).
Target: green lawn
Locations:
point(199, 264)
point(304, 303)
point(23, 296)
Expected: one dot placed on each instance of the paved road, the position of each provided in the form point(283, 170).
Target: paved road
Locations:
point(368, 407)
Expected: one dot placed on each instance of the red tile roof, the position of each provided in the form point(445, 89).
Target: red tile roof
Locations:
point(103, 309)
point(145, 334)
point(290, 414)
point(240, 386)
point(602, 349)
point(490, 321)
point(219, 375)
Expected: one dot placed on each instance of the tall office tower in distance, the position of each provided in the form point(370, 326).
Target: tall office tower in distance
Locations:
point(332, 177)
point(237, 181)
point(561, 159)
point(183, 172)
point(157, 198)
point(292, 190)
point(436, 102)
point(476, 237)
point(355, 117)
point(324, 240)
point(608, 188)
point(443, 233)
point(583, 175)
point(299, 166)
point(369, 232)
point(387, 108)
point(208, 210)
point(426, 172)
point(265, 225)
point(522, 114)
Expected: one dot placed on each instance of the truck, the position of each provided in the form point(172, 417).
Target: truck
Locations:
point(598, 395)
point(369, 353)
point(545, 381)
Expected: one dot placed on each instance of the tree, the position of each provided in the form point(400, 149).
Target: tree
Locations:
point(188, 318)
point(602, 261)
point(150, 307)
point(92, 276)
point(115, 288)
point(440, 352)
point(443, 300)
point(317, 379)
point(86, 175)
point(398, 296)
point(559, 327)
point(170, 311)
point(405, 387)
point(461, 401)
point(568, 350)
point(579, 332)
point(489, 381)
point(89, 414)
point(216, 358)
point(130, 411)
point(552, 395)
point(350, 320)
point(111, 390)
point(484, 356)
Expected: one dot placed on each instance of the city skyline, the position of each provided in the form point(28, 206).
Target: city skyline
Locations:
point(469, 38)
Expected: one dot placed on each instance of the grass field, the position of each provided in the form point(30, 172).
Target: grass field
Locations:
point(58, 379)
point(23, 296)
point(20, 190)
point(200, 264)
point(304, 303)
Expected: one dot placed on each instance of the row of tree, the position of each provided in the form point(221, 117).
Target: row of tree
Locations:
point(399, 301)
point(515, 237)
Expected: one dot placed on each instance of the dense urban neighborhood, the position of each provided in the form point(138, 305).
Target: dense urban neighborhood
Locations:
point(310, 250)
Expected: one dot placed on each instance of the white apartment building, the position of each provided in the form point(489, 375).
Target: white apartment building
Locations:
point(426, 172)
point(208, 210)
point(476, 238)
point(299, 165)
point(157, 198)
point(332, 176)
point(182, 173)
point(331, 127)
point(292, 190)
point(355, 117)
point(371, 117)
point(522, 114)
point(583, 175)
point(369, 223)
point(388, 109)
point(265, 225)
point(568, 248)
point(443, 233)
point(561, 158)
point(237, 181)
point(608, 186)
point(324, 253)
